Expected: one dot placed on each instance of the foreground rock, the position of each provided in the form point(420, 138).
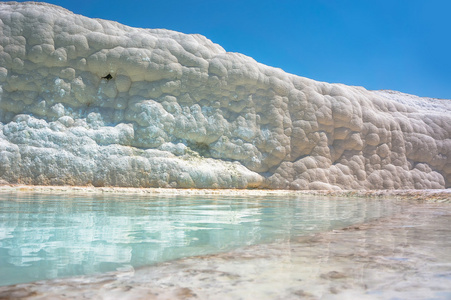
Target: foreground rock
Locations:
point(402, 257)
point(92, 102)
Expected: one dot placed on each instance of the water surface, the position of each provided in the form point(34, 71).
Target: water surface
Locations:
point(45, 236)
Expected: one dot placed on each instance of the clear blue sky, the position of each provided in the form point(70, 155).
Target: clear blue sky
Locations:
point(402, 45)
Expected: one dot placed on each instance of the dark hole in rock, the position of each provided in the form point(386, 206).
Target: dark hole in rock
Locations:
point(108, 77)
point(201, 148)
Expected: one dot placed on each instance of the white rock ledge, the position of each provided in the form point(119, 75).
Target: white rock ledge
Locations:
point(93, 102)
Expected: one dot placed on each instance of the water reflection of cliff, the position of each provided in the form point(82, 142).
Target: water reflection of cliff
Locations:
point(43, 236)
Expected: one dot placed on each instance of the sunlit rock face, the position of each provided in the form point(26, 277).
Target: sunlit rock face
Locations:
point(92, 102)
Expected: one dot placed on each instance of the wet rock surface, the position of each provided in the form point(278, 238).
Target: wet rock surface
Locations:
point(407, 256)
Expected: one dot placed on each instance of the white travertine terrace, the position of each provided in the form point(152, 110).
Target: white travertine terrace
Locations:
point(93, 102)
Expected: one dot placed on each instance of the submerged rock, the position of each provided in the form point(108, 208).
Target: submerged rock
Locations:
point(93, 102)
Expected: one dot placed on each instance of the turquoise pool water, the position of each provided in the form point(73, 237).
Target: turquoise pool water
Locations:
point(49, 236)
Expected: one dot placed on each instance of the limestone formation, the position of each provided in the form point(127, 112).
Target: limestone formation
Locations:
point(93, 102)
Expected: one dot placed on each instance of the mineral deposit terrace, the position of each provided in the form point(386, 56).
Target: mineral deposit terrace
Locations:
point(93, 102)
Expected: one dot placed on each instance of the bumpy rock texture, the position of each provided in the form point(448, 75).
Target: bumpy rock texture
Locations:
point(92, 102)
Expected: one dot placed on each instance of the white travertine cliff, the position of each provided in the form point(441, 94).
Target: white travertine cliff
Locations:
point(93, 102)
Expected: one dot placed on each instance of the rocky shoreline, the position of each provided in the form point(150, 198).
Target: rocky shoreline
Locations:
point(429, 195)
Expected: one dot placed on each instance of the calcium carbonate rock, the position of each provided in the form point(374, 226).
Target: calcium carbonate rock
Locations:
point(92, 102)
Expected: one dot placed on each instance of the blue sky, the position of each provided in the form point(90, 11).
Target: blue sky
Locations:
point(402, 45)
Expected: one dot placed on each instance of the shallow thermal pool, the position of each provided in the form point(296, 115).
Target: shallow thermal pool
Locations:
point(45, 236)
